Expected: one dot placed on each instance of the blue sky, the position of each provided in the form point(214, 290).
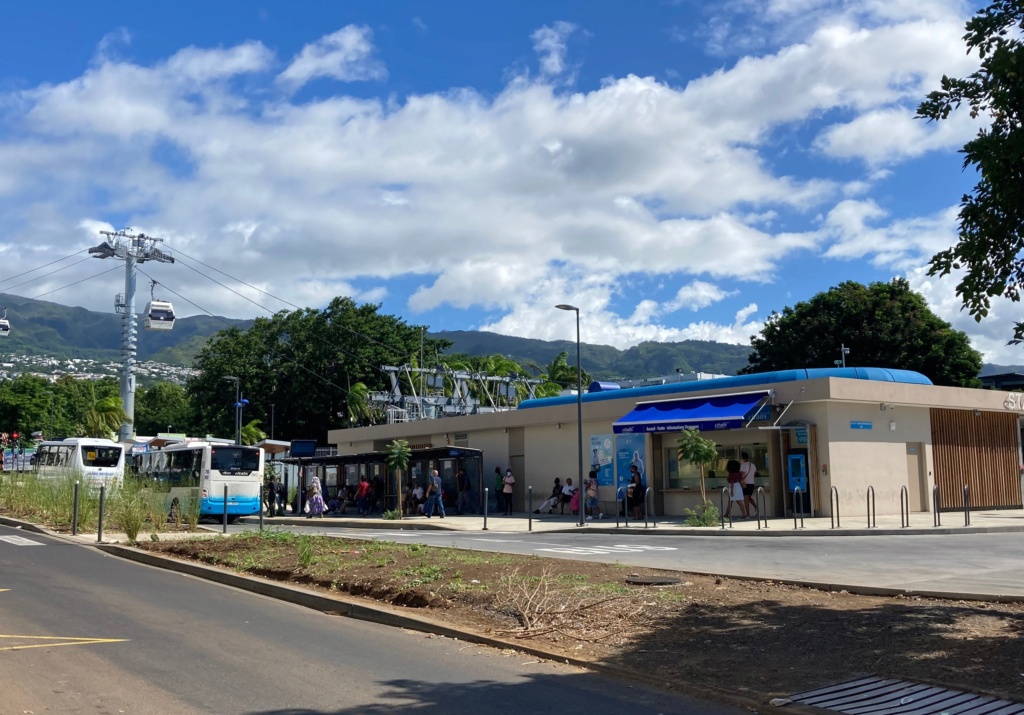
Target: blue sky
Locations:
point(678, 169)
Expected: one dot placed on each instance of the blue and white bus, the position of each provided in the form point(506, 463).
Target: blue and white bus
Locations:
point(200, 470)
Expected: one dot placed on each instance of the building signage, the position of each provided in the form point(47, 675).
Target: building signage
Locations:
point(703, 426)
point(765, 413)
point(860, 425)
point(801, 435)
point(601, 453)
point(630, 451)
point(1014, 401)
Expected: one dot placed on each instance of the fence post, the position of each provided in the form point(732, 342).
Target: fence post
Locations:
point(649, 508)
point(936, 518)
point(74, 513)
point(967, 505)
point(762, 507)
point(625, 507)
point(871, 507)
point(103, 494)
point(225, 530)
point(904, 498)
point(721, 503)
point(834, 516)
point(529, 508)
point(487, 494)
point(797, 497)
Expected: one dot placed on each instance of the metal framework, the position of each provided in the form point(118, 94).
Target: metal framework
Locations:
point(132, 248)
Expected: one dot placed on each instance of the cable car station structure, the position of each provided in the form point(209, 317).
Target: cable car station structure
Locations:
point(133, 249)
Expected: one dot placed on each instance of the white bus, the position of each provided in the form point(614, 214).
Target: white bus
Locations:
point(196, 469)
point(96, 461)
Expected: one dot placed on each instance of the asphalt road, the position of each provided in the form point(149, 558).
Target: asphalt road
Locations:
point(81, 631)
point(955, 564)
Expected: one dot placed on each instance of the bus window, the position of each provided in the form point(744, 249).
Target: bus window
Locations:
point(101, 456)
point(234, 459)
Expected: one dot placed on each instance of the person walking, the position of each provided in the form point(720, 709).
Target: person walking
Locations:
point(748, 472)
point(508, 482)
point(434, 496)
point(316, 500)
point(465, 487)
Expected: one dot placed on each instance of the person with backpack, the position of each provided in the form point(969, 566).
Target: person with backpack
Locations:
point(433, 495)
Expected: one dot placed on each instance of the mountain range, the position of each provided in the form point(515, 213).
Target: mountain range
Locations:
point(44, 328)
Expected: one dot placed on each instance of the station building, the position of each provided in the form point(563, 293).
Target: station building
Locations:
point(834, 434)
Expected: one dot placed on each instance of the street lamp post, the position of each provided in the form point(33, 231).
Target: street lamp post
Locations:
point(271, 420)
point(238, 407)
point(579, 413)
point(843, 352)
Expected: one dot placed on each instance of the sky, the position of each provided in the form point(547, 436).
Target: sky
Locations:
point(677, 169)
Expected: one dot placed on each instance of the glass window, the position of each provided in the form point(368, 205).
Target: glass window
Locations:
point(687, 475)
point(101, 456)
point(234, 459)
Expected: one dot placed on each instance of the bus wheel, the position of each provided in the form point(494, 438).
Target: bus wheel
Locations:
point(173, 514)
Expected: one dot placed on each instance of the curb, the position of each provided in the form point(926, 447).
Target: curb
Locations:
point(383, 615)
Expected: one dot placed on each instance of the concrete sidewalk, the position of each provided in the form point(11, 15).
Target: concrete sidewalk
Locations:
point(981, 522)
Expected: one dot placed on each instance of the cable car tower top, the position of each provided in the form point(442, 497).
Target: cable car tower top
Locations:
point(132, 248)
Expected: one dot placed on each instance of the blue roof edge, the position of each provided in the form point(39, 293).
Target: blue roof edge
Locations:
point(877, 374)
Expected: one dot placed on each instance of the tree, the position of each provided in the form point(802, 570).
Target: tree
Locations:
point(251, 433)
point(693, 448)
point(359, 410)
point(397, 460)
point(105, 417)
point(883, 325)
point(162, 407)
point(991, 237)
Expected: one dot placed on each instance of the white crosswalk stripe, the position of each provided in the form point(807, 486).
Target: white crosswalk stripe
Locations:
point(21, 541)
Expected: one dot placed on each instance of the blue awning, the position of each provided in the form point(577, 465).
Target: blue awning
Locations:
point(714, 412)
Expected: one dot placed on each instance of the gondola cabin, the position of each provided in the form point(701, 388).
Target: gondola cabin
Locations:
point(5, 327)
point(159, 315)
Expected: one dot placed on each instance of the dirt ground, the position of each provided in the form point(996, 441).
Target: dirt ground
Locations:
point(758, 638)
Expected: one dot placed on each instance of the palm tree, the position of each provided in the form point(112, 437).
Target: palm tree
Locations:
point(358, 407)
point(251, 433)
point(397, 460)
point(105, 417)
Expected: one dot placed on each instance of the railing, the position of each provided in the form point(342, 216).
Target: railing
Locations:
point(936, 518)
point(833, 507)
point(872, 517)
point(722, 499)
point(904, 507)
point(761, 502)
point(797, 498)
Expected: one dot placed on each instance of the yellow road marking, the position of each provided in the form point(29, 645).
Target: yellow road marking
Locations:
point(55, 641)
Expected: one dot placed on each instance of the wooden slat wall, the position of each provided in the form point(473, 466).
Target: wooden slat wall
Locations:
point(979, 451)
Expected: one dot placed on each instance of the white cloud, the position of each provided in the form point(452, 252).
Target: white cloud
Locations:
point(345, 55)
point(549, 42)
point(697, 295)
point(898, 244)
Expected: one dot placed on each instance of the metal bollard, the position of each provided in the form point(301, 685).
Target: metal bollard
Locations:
point(834, 516)
point(225, 508)
point(617, 511)
point(936, 518)
point(261, 511)
point(904, 499)
point(721, 503)
point(487, 494)
point(103, 494)
point(872, 517)
point(762, 507)
point(797, 493)
point(967, 505)
point(529, 508)
point(649, 508)
point(625, 508)
point(74, 513)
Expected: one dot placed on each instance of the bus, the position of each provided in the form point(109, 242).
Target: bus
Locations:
point(96, 461)
point(200, 470)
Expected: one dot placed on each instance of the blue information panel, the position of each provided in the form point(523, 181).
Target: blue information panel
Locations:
point(797, 464)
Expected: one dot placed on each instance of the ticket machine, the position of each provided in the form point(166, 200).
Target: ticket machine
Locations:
point(797, 478)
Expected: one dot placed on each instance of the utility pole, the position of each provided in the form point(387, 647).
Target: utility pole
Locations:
point(132, 248)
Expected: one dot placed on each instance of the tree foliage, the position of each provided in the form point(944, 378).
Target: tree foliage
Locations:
point(693, 448)
point(883, 325)
point(305, 363)
point(397, 459)
point(991, 237)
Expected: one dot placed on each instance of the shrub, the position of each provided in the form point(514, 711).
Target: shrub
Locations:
point(705, 515)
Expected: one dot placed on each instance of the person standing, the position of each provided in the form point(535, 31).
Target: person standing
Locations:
point(465, 486)
point(507, 484)
point(748, 472)
point(734, 480)
point(316, 500)
point(269, 495)
point(499, 485)
point(279, 492)
point(363, 496)
point(434, 495)
point(591, 504)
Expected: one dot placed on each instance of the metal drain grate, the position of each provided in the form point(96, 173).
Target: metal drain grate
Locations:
point(876, 696)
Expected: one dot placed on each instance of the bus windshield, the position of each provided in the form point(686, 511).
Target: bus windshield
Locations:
point(234, 459)
point(101, 456)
